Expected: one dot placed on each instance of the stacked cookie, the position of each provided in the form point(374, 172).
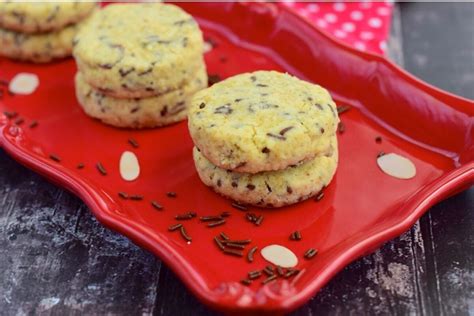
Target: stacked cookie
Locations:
point(40, 32)
point(264, 138)
point(139, 64)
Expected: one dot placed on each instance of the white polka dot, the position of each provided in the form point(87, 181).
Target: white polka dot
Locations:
point(383, 11)
point(357, 15)
point(330, 17)
point(339, 7)
point(321, 23)
point(348, 27)
point(366, 36)
point(313, 7)
point(383, 45)
point(375, 23)
point(340, 34)
point(365, 5)
point(303, 12)
point(359, 45)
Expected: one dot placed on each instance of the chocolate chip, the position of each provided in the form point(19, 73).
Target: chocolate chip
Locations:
point(234, 184)
point(202, 105)
point(251, 187)
point(265, 150)
point(319, 106)
point(219, 183)
point(289, 190)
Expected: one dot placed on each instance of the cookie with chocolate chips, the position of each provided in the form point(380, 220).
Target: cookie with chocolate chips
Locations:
point(139, 50)
point(39, 17)
point(147, 112)
point(262, 121)
point(271, 188)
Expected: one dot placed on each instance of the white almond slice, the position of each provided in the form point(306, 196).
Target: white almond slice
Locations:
point(280, 256)
point(207, 47)
point(129, 166)
point(397, 166)
point(24, 83)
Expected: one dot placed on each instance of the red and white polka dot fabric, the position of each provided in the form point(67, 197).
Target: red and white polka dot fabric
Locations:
point(364, 25)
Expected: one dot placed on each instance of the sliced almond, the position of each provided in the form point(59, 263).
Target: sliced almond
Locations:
point(129, 166)
point(207, 47)
point(280, 256)
point(397, 166)
point(24, 83)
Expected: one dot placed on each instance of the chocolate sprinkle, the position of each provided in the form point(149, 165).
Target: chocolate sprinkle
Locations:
point(219, 243)
point(343, 108)
point(224, 236)
point(380, 154)
point(254, 274)
point(156, 205)
point(290, 273)
point(378, 139)
point(184, 234)
point(319, 196)
point(236, 246)
point(55, 157)
point(123, 195)
point(239, 206)
point(310, 253)
point(171, 194)
point(233, 252)
point(269, 279)
point(80, 166)
point(246, 282)
point(19, 121)
point(242, 242)
point(33, 124)
point(10, 115)
point(259, 220)
point(251, 253)
point(217, 223)
point(225, 214)
point(133, 142)
point(210, 218)
point(280, 271)
point(175, 227)
point(341, 128)
point(136, 197)
point(101, 169)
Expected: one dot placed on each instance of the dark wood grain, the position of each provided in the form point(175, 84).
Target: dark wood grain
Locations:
point(56, 259)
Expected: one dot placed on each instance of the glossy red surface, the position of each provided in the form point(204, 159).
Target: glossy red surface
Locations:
point(362, 207)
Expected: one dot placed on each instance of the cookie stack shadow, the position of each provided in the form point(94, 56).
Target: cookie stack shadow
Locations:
point(139, 65)
point(40, 32)
point(264, 138)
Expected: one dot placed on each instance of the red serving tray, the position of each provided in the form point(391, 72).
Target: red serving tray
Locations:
point(362, 207)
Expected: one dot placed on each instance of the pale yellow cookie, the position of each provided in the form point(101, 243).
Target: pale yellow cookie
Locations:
point(271, 188)
point(42, 16)
point(38, 48)
point(262, 121)
point(148, 112)
point(139, 50)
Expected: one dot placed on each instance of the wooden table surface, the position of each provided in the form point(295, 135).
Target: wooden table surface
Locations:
point(56, 259)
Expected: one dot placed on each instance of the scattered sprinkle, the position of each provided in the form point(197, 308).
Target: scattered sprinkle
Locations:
point(184, 234)
point(55, 157)
point(10, 115)
point(233, 252)
point(254, 274)
point(319, 196)
point(217, 223)
point(235, 246)
point(33, 124)
point(219, 243)
point(295, 235)
point(225, 214)
point(171, 194)
point(310, 253)
point(80, 165)
point(341, 128)
point(259, 220)
point(239, 206)
point(246, 282)
point(101, 169)
point(378, 139)
point(123, 195)
point(19, 121)
point(269, 279)
point(251, 253)
point(174, 227)
point(224, 236)
point(136, 197)
point(343, 108)
point(133, 142)
point(242, 242)
point(156, 205)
